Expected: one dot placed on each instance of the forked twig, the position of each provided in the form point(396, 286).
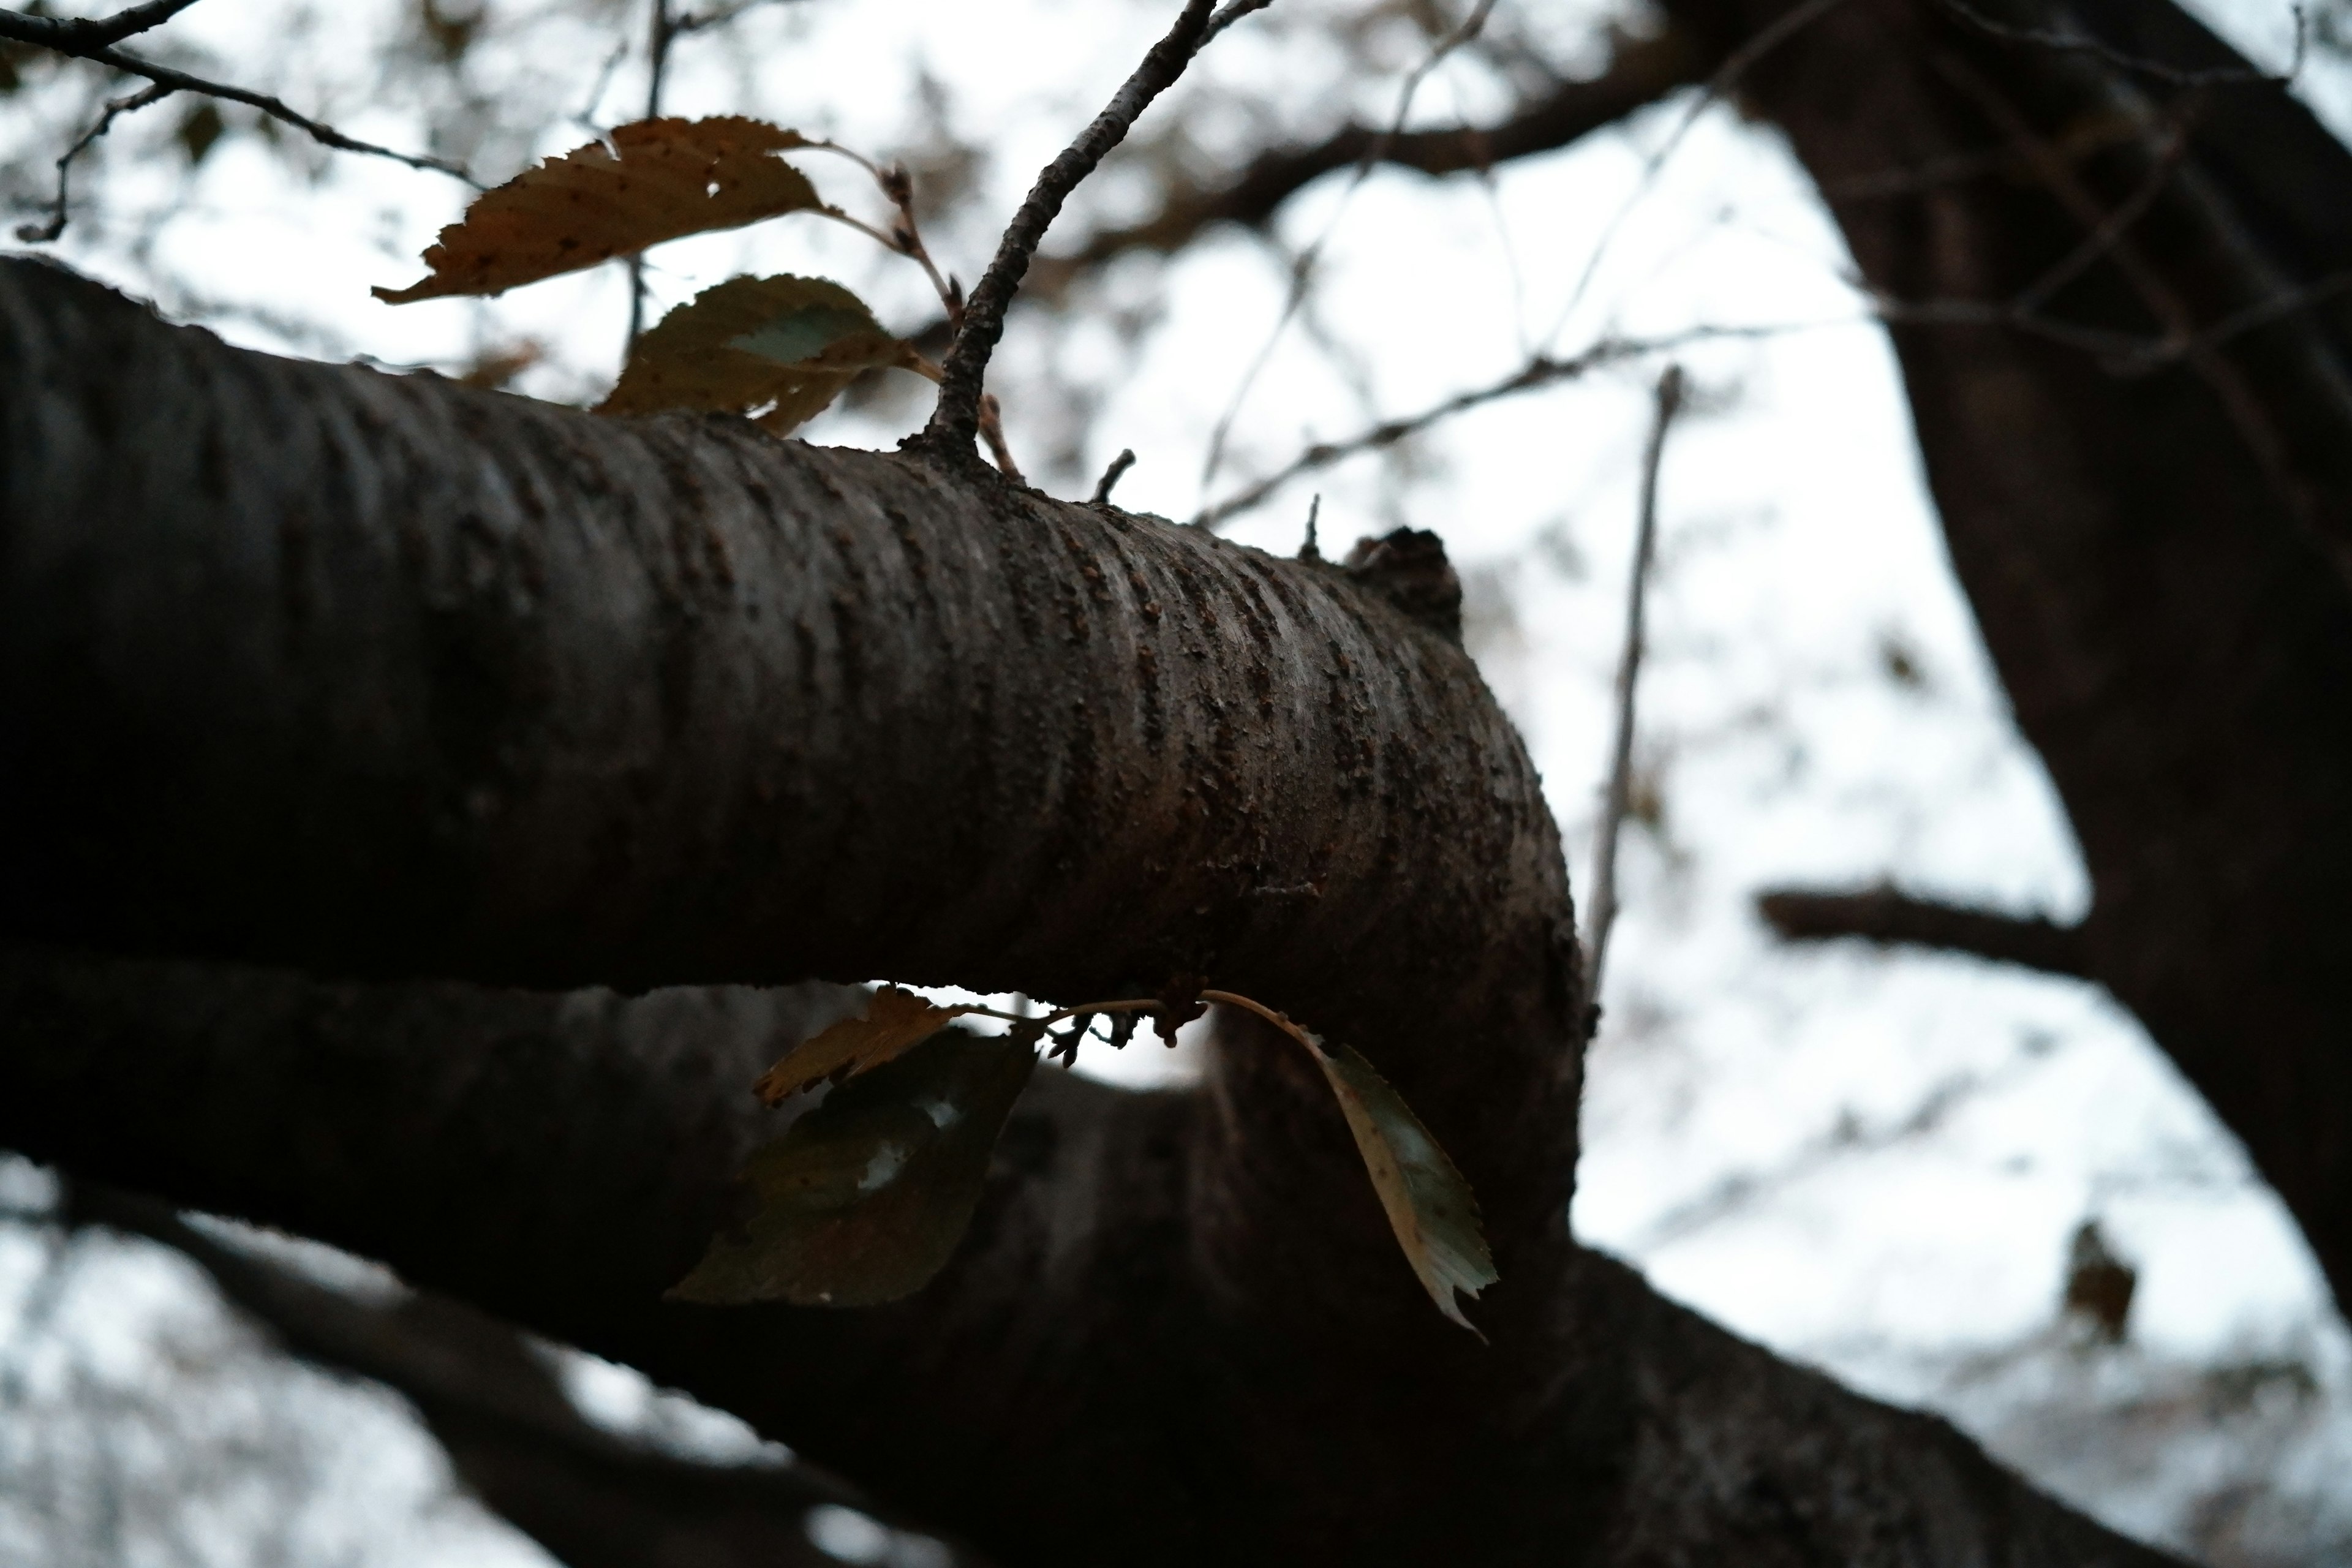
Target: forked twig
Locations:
point(43, 232)
point(1604, 914)
point(23, 29)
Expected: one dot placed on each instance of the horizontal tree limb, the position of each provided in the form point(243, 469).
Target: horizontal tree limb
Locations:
point(1080, 1383)
point(1885, 916)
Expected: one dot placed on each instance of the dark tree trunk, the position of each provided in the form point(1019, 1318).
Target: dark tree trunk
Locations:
point(2159, 555)
point(310, 667)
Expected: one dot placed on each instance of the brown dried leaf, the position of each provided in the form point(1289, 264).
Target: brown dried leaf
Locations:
point(895, 1022)
point(1430, 1206)
point(661, 179)
point(788, 344)
point(865, 1198)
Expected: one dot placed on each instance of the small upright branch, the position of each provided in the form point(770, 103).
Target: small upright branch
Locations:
point(956, 419)
point(663, 31)
point(1112, 475)
point(1628, 669)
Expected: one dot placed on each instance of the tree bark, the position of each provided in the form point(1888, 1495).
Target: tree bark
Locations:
point(307, 666)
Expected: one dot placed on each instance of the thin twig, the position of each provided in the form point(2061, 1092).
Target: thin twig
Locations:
point(1541, 371)
point(661, 32)
point(1619, 799)
point(43, 232)
point(181, 81)
point(2110, 231)
point(1112, 475)
point(1728, 75)
point(1302, 266)
point(956, 417)
point(2138, 65)
point(71, 35)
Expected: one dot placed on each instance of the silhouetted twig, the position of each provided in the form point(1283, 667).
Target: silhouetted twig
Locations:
point(177, 80)
point(43, 232)
point(956, 417)
point(1602, 914)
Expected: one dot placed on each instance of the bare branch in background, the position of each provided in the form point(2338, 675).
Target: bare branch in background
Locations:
point(1603, 910)
point(68, 35)
point(42, 233)
point(956, 417)
point(1719, 85)
point(2138, 65)
point(1302, 266)
point(1541, 371)
point(1640, 72)
point(1885, 916)
point(174, 80)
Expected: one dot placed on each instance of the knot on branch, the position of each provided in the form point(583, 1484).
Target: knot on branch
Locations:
point(1408, 569)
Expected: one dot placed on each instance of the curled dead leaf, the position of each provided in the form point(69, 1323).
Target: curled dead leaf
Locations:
point(659, 179)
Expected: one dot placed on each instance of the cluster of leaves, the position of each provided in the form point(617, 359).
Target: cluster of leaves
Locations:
point(863, 1198)
point(780, 349)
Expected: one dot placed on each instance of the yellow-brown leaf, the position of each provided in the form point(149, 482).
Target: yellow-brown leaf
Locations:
point(787, 345)
point(661, 179)
point(895, 1022)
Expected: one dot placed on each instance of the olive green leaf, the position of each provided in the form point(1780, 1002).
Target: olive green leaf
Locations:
point(863, 1200)
point(1429, 1206)
point(782, 348)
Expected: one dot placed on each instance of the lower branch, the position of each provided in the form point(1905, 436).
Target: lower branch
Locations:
point(1885, 916)
point(591, 1499)
point(1084, 1383)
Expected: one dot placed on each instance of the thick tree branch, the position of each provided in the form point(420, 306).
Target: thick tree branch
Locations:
point(1074, 1384)
point(594, 1499)
point(2161, 564)
point(327, 667)
point(1885, 916)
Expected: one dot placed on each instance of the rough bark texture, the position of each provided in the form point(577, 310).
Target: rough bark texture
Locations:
point(2158, 561)
point(309, 666)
